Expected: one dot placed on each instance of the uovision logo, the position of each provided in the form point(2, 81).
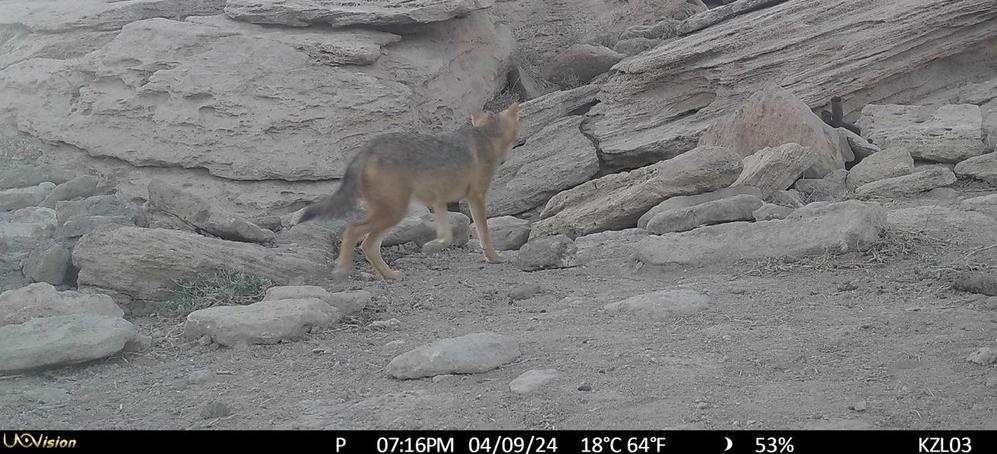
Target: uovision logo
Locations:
point(41, 441)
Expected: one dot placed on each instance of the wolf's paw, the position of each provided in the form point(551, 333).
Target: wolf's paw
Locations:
point(434, 247)
point(494, 258)
point(391, 275)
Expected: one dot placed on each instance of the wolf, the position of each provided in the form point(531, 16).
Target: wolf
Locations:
point(392, 169)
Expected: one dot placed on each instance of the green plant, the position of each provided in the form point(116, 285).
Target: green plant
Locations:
point(221, 288)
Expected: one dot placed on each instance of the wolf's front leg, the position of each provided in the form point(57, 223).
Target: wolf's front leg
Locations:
point(480, 218)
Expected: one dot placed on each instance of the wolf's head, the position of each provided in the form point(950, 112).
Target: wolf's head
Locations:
point(500, 128)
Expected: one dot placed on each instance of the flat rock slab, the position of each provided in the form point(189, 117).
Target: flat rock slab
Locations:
point(617, 201)
point(266, 322)
point(61, 340)
point(986, 204)
point(144, 264)
point(532, 380)
point(983, 167)
point(663, 304)
point(894, 162)
point(814, 229)
point(347, 303)
point(917, 182)
point(199, 213)
point(302, 13)
point(686, 201)
point(43, 300)
point(969, 227)
point(736, 208)
point(468, 354)
point(947, 133)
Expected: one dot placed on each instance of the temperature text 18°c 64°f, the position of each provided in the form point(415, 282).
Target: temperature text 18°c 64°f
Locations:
point(620, 445)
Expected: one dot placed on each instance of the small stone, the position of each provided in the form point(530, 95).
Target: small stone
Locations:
point(468, 354)
point(214, 410)
point(702, 405)
point(391, 324)
point(585, 387)
point(443, 377)
point(47, 395)
point(663, 304)
point(847, 287)
point(524, 292)
point(532, 380)
point(557, 251)
point(859, 406)
point(985, 356)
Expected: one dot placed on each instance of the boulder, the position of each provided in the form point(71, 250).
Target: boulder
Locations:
point(656, 104)
point(339, 13)
point(736, 208)
point(947, 133)
point(345, 302)
point(468, 354)
point(686, 201)
point(269, 104)
point(618, 200)
point(14, 199)
point(983, 167)
point(61, 340)
point(558, 157)
point(815, 229)
point(557, 251)
point(43, 300)
point(537, 114)
point(508, 233)
point(914, 183)
point(776, 168)
point(774, 117)
point(894, 162)
point(134, 263)
point(265, 322)
point(79, 187)
point(199, 213)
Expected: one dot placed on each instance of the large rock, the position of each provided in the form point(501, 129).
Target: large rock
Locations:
point(338, 13)
point(225, 96)
point(346, 302)
point(558, 157)
point(686, 201)
point(947, 133)
point(17, 198)
point(982, 167)
point(198, 212)
point(656, 104)
point(265, 322)
point(64, 29)
point(508, 233)
point(64, 339)
point(536, 114)
point(48, 264)
point(144, 264)
point(956, 225)
point(25, 175)
point(986, 204)
point(773, 117)
point(736, 208)
point(580, 63)
point(43, 300)
point(812, 230)
point(557, 251)
point(468, 354)
point(79, 187)
point(776, 168)
point(894, 162)
point(914, 183)
point(616, 201)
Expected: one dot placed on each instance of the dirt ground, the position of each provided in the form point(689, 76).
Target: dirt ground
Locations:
point(876, 339)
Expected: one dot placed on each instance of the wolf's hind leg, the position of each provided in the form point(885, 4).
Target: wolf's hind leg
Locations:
point(444, 236)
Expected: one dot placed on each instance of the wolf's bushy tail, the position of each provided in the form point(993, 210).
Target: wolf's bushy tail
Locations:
point(344, 199)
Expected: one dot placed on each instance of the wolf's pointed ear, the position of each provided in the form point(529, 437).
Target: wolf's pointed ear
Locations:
point(479, 118)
